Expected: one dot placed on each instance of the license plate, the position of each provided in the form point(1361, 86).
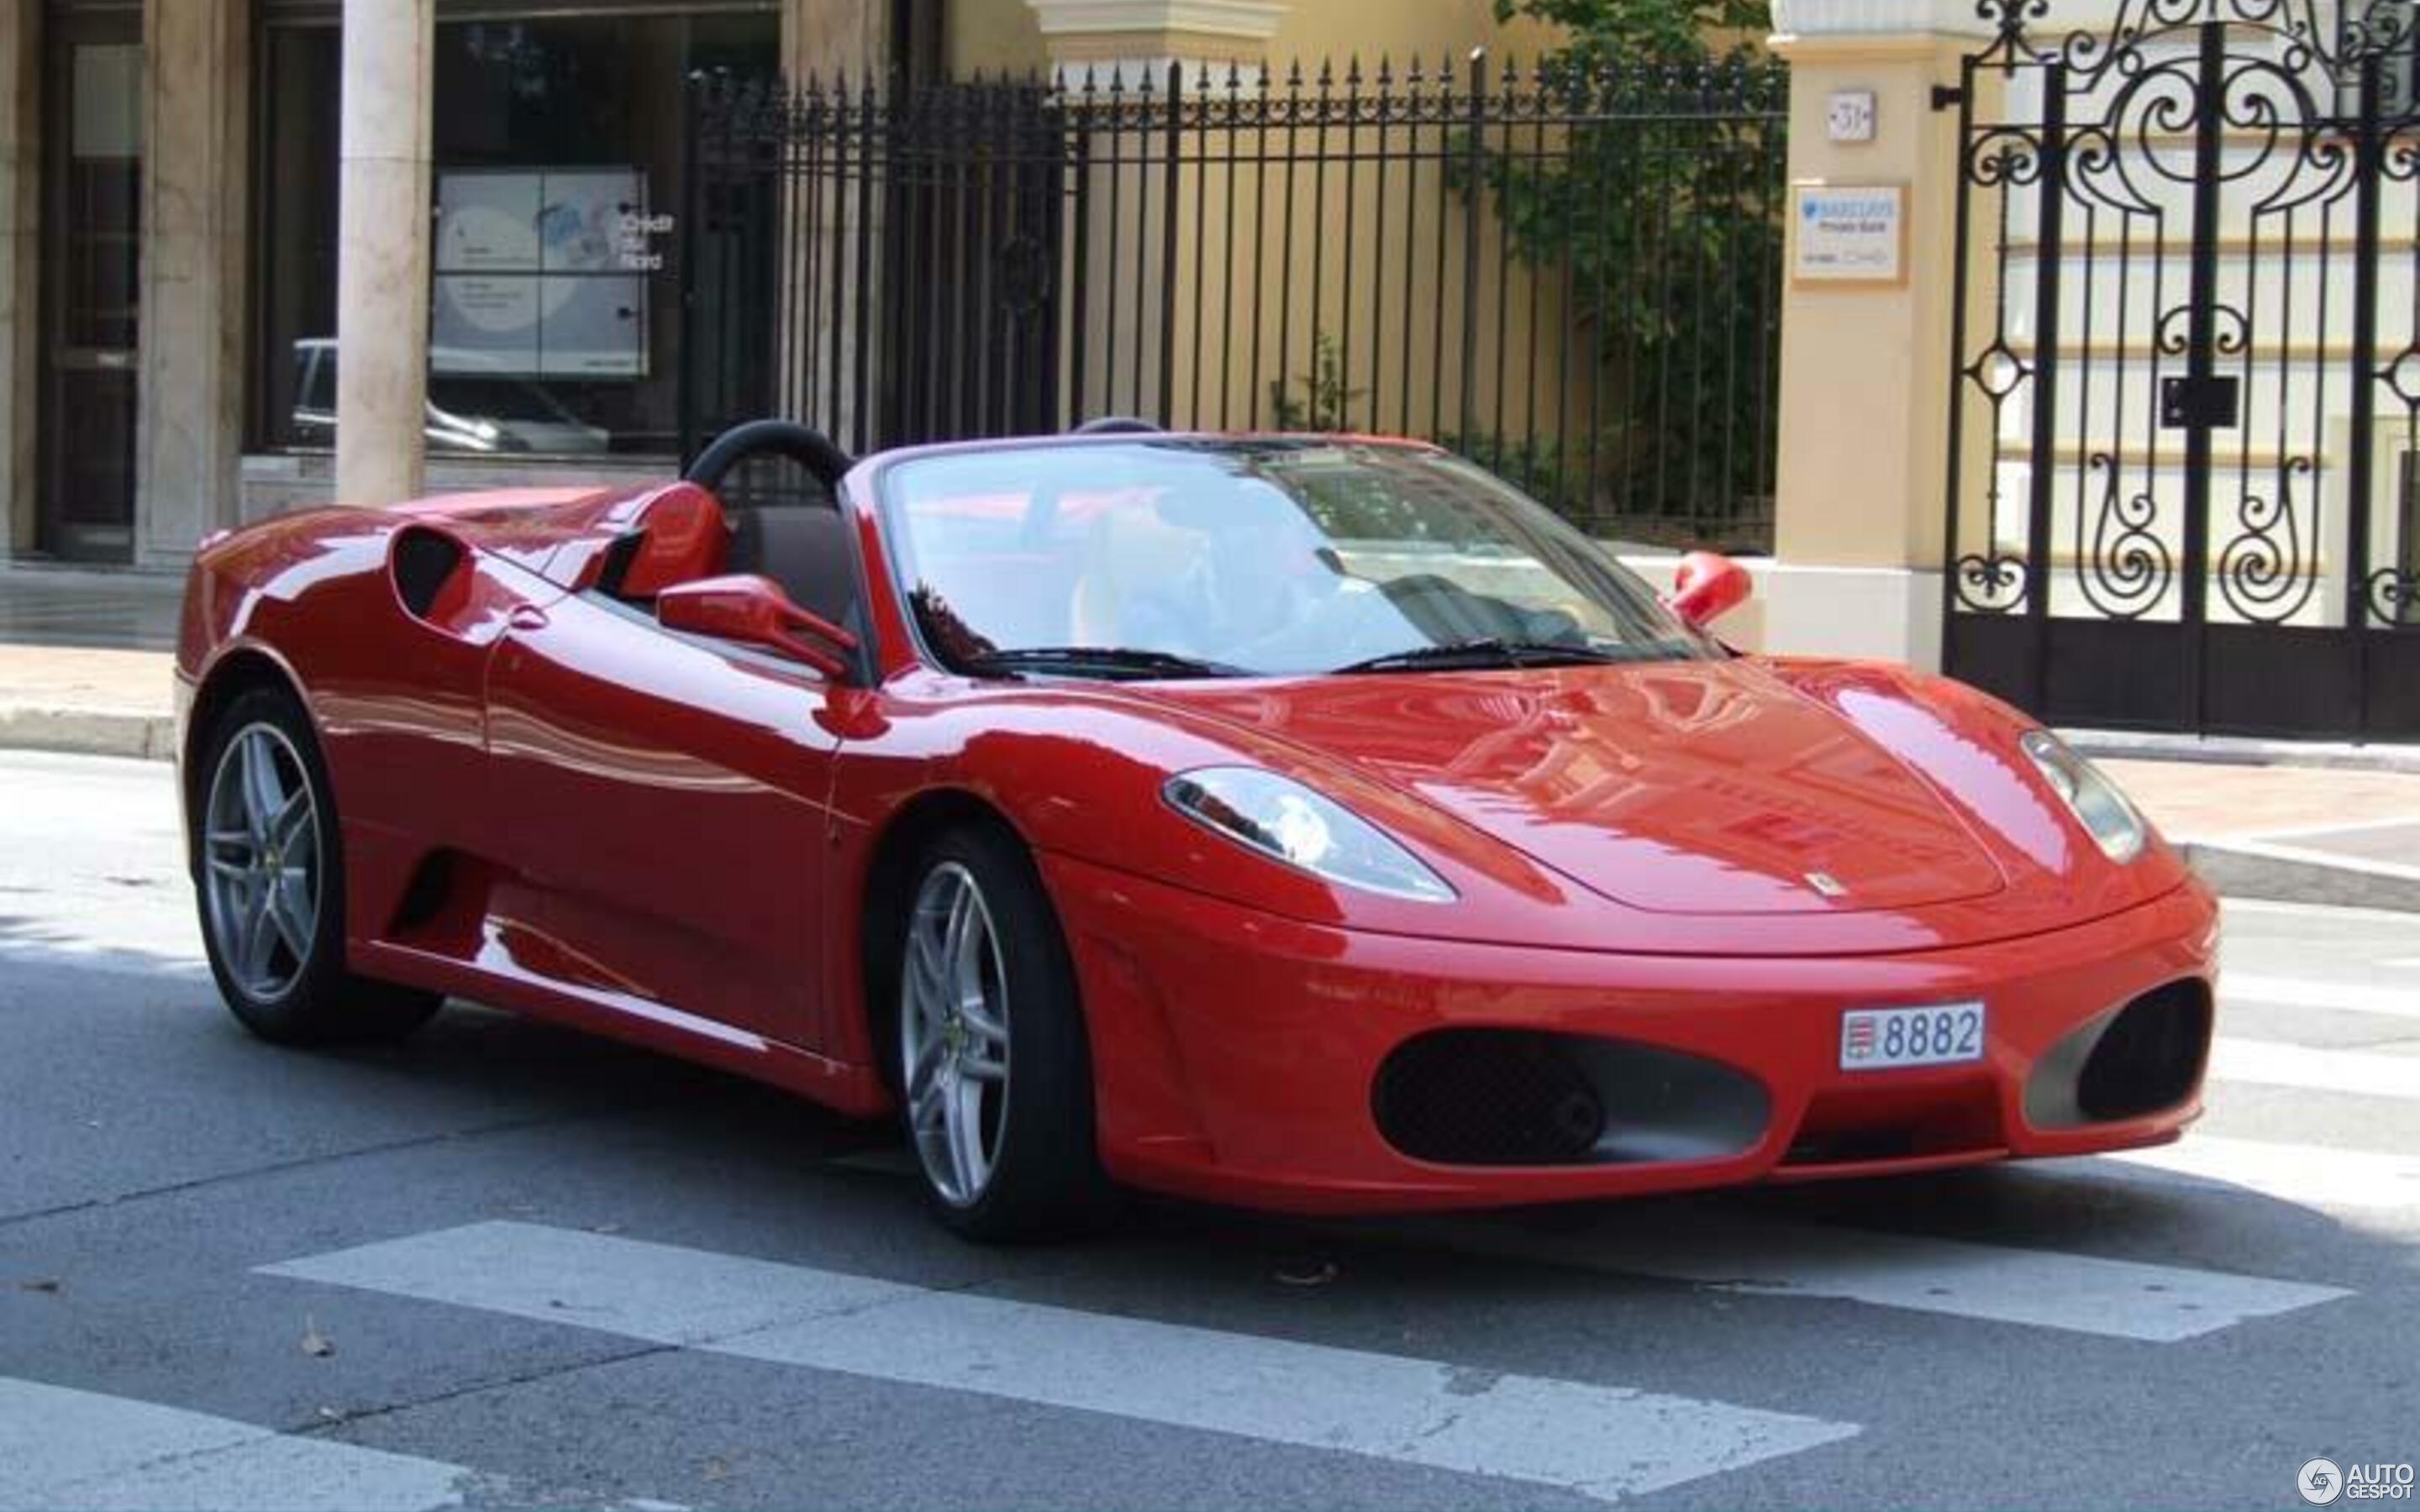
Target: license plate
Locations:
point(1936, 1034)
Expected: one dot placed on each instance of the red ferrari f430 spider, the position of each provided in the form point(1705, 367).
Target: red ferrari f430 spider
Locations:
point(1307, 822)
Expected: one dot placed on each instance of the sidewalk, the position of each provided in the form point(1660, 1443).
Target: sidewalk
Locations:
point(85, 668)
point(88, 702)
point(2299, 834)
point(84, 663)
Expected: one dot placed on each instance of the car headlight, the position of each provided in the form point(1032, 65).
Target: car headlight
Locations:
point(2104, 813)
point(1287, 821)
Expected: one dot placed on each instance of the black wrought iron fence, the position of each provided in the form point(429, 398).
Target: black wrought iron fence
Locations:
point(1574, 278)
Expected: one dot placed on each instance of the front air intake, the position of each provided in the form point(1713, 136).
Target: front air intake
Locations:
point(2144, 1057)
point(2151, 1056)
point(1521, 1097)
point(1486, 1097)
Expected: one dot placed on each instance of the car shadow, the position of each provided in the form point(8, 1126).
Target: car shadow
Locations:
point(800, 1175)
point(2072, 1205)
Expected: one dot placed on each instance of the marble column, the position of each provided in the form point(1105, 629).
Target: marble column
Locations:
point(21, 176)
point(189, 430)
point(383, 250)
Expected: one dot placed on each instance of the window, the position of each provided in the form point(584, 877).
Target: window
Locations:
point(556, 188)
point(1274, 557)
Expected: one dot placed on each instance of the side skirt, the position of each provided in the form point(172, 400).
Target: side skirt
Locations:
point(502, 983)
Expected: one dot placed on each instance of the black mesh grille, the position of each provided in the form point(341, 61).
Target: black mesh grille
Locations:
point(2150, 1057)
point(1488, 1097)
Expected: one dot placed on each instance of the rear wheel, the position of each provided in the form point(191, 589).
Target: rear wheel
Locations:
point(994, 1074)
point(269, 866)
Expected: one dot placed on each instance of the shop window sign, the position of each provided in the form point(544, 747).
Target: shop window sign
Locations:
point(541, 272)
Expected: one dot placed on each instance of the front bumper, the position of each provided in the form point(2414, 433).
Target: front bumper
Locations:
point(1238, 1054)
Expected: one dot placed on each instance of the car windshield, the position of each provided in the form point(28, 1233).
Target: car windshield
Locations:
point(1187, 557)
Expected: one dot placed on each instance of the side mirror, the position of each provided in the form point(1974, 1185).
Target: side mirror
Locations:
point(745, 607)
point(1709, 586)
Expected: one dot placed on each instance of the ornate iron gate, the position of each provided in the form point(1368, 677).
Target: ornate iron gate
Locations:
point(2186, 423)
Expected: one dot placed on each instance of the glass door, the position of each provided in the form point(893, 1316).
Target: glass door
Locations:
point(92, 233)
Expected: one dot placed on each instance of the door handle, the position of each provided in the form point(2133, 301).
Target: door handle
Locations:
point(526, 617)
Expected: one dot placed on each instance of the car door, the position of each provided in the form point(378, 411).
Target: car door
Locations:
point(665, 798)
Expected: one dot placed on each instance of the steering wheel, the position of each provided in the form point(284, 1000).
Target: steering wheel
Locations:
point(810, 449)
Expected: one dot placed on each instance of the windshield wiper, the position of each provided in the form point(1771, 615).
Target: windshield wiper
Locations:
point(1129, 661)
point(1494, 651)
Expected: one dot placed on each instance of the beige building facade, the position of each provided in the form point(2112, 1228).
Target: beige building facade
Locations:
point(208, 202)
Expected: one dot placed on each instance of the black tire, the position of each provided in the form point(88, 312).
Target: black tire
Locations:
point(1045, 1181)
point(314, 999)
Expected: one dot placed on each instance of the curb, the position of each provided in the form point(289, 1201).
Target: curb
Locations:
point(2247, 873)
point(88, 732)
point(2233, 750)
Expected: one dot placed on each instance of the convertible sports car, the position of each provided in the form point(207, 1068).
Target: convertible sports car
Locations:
point(1309, 823)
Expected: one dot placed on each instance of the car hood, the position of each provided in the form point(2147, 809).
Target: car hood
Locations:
point(1673, 787)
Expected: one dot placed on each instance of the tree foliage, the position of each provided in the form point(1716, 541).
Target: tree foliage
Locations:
point(1665, 204)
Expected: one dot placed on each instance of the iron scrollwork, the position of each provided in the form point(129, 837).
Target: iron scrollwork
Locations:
point(2262, 571)
point(1993, 585)
point(2126, 568)
point(2393, 597)
point(2189, 392)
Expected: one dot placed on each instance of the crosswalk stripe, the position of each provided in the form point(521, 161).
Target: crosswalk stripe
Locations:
point(2041, 1289)
point(1601, 1440)
point(2273, 1064)
point(2315, 1175)
point(2296, 992)
point(63, 1450)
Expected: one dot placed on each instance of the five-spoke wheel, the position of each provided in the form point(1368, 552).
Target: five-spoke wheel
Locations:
point(267, 862)
point(261, 867)
point(994, 1071)
point(953, 1034)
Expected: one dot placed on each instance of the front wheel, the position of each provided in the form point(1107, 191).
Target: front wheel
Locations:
point(269, 865)
point(995, 1076)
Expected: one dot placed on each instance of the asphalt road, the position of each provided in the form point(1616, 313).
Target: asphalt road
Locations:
point(507, 1266)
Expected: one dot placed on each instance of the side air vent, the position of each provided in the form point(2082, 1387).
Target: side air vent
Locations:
point(424, 562)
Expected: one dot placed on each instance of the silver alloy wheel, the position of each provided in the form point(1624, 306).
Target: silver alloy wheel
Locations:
point(953, 1034)
point(261, 872)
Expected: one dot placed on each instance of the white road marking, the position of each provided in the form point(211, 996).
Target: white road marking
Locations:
point(2298, 991)
point(2038, 1288)
point(64, 1451)
point(2043, 1288)
point(2311, 1176)
point(2272, 1063)
point(1603, 1441)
